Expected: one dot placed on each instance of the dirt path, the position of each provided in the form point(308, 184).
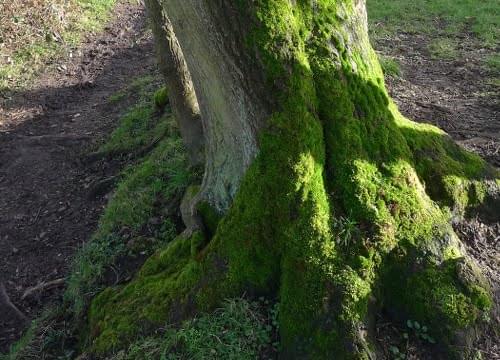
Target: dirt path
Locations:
point(46, 213)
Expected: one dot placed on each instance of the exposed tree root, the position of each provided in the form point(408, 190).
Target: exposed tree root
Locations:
point(5, 301)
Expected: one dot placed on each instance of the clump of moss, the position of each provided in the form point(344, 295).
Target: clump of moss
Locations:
point(210, 216)
point(435, 295)
point(161, 98)
point(120, 314)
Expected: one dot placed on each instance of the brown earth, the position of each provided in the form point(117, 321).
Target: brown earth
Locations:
point(46, 213)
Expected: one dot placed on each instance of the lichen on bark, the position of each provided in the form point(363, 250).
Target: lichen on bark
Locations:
point(335, 146)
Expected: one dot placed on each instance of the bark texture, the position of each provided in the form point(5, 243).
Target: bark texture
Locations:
point(231, 114)
point(333, 202)
point(181, 93)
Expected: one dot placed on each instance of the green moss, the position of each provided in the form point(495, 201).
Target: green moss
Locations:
point(435, 296)
point(481, 297)
point(161, 98)
point(210, 216)
point(198, 242)
point(118, 315)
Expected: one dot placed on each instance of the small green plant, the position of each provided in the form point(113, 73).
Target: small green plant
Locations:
point(420, 331)
point(346, 229)
point(390, 66)
point(396, 353)
point(443, 48)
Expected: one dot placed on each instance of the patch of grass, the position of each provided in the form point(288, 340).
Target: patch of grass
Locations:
point(94, 14)
point(493, 63)
point(33, 35)
point(425, 16)
point(163, 175)
point(494, 82)
point(117, 96)
point(140, 127)
point(142, 87)
point(43, 333)
point(143, 124)
point(443, 48)
point(240, 329)
point(390, 66)
point(19, 349)
point(145, 190)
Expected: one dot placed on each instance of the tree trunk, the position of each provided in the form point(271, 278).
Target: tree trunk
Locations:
point(331, 201)
point(182, 96)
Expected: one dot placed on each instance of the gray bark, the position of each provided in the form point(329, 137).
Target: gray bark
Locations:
point(181, 91)
point(231, 112)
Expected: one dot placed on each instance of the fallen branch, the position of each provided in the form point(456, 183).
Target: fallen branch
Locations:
point(43, 286)
point(5, 300)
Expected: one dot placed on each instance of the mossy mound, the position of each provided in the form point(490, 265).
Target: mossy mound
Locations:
point(161, 98)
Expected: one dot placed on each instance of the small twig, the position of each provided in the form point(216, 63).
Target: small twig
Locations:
point(42, 287)
point(4, 299)
point(35, 220)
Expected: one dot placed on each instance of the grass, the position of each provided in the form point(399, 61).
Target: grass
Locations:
point(443, 48)
point(390, 66)
point(34, 35)
point(145, 188)
point(445, 25)
point(140, 126)
point(448, 17)
point(240, 329)
point(493, 63)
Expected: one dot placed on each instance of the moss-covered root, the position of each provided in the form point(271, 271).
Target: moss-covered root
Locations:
point(118, 315)
point(454, 177)
point(450, 297)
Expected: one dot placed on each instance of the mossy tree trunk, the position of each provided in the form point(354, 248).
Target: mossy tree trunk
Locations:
point(328, 198)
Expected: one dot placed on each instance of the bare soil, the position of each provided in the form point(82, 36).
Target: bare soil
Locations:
point(47, 210)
